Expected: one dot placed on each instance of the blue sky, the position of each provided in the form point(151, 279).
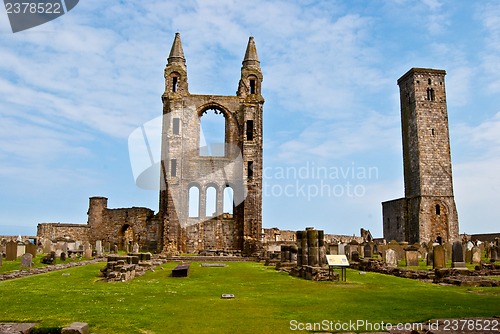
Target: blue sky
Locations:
point(74, 89)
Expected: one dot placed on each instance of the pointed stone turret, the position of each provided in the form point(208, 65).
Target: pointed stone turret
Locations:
point(251, 74)
point(176, 71)
point(176, 53)
point(251, 57)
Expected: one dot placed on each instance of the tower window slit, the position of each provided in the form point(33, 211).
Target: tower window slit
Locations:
point(438, 209)
point(175, 125)
point(250, 169)
point(175, 82)
point(250, 129)
point(173, 167)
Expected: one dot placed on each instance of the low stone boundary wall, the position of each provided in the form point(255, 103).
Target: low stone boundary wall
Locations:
point(48, 268)
point(462, 277)
point(210, 258)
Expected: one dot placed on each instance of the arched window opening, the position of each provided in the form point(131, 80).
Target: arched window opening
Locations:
point(252, 86)
point(438, 209)
point(194, 201)
point(211, 202)
point(429, 81)
point(212, 133)
point(430, 94)
point(175, 82)
point(228, 203)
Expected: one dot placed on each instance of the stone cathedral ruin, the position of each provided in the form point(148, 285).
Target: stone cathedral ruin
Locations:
point(211, 195)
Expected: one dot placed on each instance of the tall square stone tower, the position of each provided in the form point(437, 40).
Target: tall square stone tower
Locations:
point(428, 211)
point(211, 193)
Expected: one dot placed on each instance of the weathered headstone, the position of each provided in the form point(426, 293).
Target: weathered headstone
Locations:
point(98, 247)
point(430, 258)
point(87, 250)
point(476, 254)
point(47, 246)
point(21, 249)
point(341, 249)
point(457, 256)
point(27, 260)
point(334, 249)
point(106, 247)
point(63, 256)
point(411, 256)
point(468, 256)
point(135, 249)
point(355, 256)
point(367, 251)
point(494, 253)
point(391, 257)
point(11, 251)
point(1, 259)
point(31, 248)
point(439, 257)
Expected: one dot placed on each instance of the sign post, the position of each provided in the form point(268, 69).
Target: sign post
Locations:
point(338, 261)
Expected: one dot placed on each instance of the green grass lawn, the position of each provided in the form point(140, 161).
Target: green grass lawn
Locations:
point(265, 300)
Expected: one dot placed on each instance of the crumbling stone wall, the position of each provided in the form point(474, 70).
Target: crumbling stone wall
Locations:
point(60, 231)
point(124, 226)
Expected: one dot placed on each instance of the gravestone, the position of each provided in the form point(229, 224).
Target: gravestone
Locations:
point(65, 247)
point(87, 250)
point(106, 247)
point(135, 249)
point(31, 248)
point(341, 248)
point(63, 256)
point(476, 254)
point(49, 258)
point(468, 256)
point(1, 259)
point(334, 249)
point(457, 255)
point(47, 246)
point(411, 256)
point(494, 253)
point(21, 249)
point(98, 247)
point(27, 260)
point(391, 257)
point(439, 260)
point(430, 258)
point(11, 251)
point(448, 251)
point(355, 256)
point(367, 251)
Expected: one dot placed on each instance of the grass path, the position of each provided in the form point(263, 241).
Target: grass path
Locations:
point(265, 300)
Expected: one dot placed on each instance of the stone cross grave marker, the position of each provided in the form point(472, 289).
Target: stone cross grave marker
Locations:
point(476, 254)
point(11, 251)
point(391, 257)
point(439, 257)
point(26, 260)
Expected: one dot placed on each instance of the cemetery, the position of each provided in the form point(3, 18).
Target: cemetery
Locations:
point(156, 292)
